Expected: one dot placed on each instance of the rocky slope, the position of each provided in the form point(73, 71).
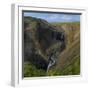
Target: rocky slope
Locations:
point(72, 31)
point(40, 39)
point(72, 50)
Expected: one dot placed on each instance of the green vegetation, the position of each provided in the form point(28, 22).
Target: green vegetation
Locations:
point(61, 23)
point(31, 71)
point(71, 69)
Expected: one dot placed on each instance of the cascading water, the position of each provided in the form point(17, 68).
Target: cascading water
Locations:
point(52, 60)
point(57, 49)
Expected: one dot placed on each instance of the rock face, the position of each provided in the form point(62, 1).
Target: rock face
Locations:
point(72, 50)
point(41, 39)
point(72, 31)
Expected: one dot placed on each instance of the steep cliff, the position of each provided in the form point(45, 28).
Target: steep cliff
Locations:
point(40, 39)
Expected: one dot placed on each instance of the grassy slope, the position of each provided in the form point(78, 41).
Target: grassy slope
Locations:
point(58, 23)
point(31, 71)
point(69, 59)
point(72, 69)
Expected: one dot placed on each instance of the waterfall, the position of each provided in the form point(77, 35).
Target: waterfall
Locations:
point(52, 61)
point(53, 58)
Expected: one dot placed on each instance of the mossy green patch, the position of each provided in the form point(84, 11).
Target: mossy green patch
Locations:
point(31, 71)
